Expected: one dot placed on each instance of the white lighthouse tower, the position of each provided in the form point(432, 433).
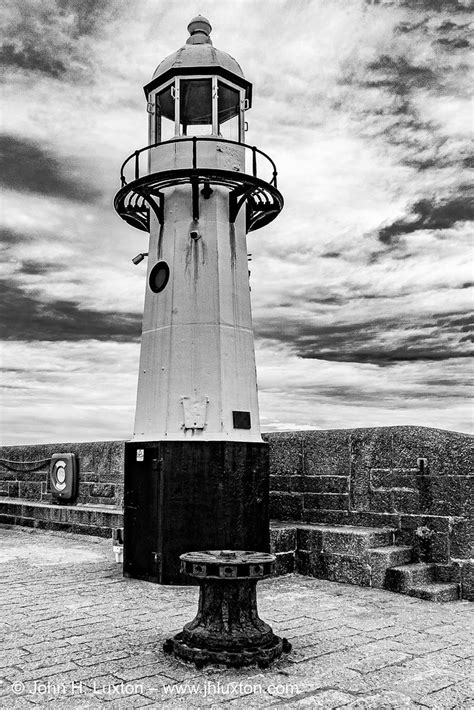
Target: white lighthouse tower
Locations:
point(196, 453)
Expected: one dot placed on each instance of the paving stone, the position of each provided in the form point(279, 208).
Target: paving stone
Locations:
point(353, 647)
point(331, 698)
point(378, 701)
point(429, 681)
point(377, 661)
point(458, 696)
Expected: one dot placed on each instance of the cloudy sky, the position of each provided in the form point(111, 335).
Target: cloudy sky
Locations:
point(361, 289)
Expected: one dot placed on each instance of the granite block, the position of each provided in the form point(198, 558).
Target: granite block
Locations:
point(309, 539)
point(286, 453)
point(14, 489)
point(448, 452)
point(327, 453)
point(440, 548)
point(372, 519)
point(34, 476)
point(448, 572)
point(286, 506)
point(88, 477)
point(381, 501)
point(6, 475)
point(326, 501)
point(311, 564)
point(346, 569)
point(460, 538)
point(30, 490)
point(433, 522)
point(329, 517)
point(326, 484)
point(388, 478)
point(283, 539)
point(381, 559)
point(290, 484)
point(102, 490)
point(467, 581)
point(369, 449)
point(405, 501)
point(284, 563)
point(355, 541)
point(452, 495)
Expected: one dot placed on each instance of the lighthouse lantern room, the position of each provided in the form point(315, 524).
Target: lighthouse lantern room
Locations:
point(196, 469)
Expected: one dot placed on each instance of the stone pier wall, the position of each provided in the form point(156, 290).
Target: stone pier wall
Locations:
point(408, 478)
point(100, 471)
point(416, 480)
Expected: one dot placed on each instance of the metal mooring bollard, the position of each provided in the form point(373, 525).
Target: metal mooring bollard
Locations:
point(227, 628)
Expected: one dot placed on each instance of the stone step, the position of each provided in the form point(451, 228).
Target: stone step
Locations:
point(283, 546)
point(405, 577)
point(348, 569)
point(382, 558)
point(282, 538)
point(437, 592)
point(342, 540)
point(80, 519)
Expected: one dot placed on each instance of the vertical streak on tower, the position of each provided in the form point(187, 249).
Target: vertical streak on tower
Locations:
point(196, 470)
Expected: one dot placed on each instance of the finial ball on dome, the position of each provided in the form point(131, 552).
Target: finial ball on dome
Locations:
point(199, 24)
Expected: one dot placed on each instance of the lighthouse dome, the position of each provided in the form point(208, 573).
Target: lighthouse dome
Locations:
point(198, 53)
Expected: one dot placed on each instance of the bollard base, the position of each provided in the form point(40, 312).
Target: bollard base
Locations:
point(227, 628)
point(201, 657)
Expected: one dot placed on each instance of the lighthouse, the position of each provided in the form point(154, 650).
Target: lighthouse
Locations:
point(196, 468)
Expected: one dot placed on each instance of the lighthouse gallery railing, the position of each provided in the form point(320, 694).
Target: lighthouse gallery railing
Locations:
point(252, 154)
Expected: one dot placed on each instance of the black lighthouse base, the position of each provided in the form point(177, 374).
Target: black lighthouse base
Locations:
point(182, 496)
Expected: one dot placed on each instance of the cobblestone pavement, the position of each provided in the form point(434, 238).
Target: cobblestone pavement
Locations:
point(79, 635)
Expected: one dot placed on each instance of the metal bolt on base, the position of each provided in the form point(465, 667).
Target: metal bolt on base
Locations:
point(227, 628)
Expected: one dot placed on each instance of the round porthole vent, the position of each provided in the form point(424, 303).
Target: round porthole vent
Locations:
point(159, 276)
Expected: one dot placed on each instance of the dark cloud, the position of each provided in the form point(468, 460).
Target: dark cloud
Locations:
point(387, 105)
point(441, 6)
point(466, 321)
point(28, 167)
point(398, 75)
point(406, 27)
point(87, 16)
point(28, 317)
point(9, 236)
point(366, 341)
point(453, 43)
point(46, 37)
point(31, 58)
point(35, 268)
point(432, 214)
point(327, 300)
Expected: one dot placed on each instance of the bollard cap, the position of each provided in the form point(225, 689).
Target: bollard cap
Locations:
point(227, 564)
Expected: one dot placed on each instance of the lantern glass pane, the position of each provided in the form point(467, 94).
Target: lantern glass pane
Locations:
point(228, 111)
point(195, 107)
point(164, 113)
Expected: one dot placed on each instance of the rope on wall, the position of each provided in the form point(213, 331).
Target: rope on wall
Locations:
point(35, 465)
